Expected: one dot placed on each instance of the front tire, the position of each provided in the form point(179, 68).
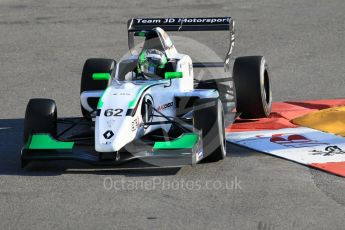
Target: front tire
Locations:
point(208, 116)
point(253, 87)
point(40, 117)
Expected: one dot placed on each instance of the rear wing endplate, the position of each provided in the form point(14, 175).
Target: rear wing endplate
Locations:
point(187, 24)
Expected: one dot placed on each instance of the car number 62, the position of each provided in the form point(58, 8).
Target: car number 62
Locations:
point(113, 112)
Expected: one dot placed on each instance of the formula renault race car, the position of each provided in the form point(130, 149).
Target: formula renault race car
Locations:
point(149, 106)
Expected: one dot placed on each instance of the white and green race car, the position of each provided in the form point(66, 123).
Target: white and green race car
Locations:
point(149, 105)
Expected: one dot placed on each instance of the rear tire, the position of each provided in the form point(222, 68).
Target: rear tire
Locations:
point(208, 117)
point(253, 87)
point(40, 117)
point(91, 66)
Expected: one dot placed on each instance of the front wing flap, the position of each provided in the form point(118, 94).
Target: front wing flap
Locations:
point(184, 150)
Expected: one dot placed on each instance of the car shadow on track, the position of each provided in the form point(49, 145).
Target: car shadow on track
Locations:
point(233, 150)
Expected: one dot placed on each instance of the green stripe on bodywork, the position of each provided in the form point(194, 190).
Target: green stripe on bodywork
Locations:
point(45, 141)
point(134, 102)
point(100, 101)
point(101, 76)
point(186, 141)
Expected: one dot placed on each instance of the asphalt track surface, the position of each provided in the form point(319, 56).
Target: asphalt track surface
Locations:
point(43, 45)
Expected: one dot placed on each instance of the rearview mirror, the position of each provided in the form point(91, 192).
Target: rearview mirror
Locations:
point(172, 75)
point(101, 76)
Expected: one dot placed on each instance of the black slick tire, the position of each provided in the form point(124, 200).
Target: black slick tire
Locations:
point(208, 117)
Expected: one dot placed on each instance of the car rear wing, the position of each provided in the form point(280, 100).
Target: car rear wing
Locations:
point(187, 24)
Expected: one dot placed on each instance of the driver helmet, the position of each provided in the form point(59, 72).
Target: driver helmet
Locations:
point(151, 63)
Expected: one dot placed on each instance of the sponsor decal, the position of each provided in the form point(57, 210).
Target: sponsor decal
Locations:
point(165, 106)
point(329, 151)
point(290, 140)
point(135, 124)
point(182, 20)
point(122, 94)
point(294, 140)
point(108, 134)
